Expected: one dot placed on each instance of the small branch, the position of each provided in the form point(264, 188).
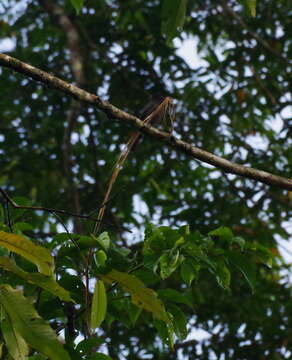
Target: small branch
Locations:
point(267, 92)
point(73, 39)
point(50, 210)
point(186, 148)
point(186, 344)
point(8, 216)
point(77, 61)
point(55, 211)
point(70, 237)
point(253, 34)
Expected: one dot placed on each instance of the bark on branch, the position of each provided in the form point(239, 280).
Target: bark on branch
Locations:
point(193, 151)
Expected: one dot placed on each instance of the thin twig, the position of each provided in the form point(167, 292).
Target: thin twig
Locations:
point(260, 40)
point(8, 216)
point(40, 208)
point(69, 235)
point(56, 211)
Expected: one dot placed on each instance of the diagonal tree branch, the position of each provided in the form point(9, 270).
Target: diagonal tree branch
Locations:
point(193, 151)
point(76, 58)
point(253, 34)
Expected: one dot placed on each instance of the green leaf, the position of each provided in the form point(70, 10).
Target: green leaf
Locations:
point(38, 279)
point(244, 264)
point(175, 296)
point(226, 234)
point(134, 313)
point(62, 238)
point(23, 226)
point(38, 255)
point(239, 241)
point(100, 258)
point(223, 232)
point(179, 321)
point(27, 322)
point(104, 240)
point(169, 262)
point(16, 345)
point(143, 297)
point(154, 241)
point(99, 304)
point(223, 275)
point(165, 331)
point(173, 17)
point(86, 346)
point(86, 242)
point(77, 4)
point(162, 238)
point(189, 271)
point(250, 5)
point(165, 270)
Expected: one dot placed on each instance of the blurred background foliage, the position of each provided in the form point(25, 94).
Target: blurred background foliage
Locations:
point(230, 75)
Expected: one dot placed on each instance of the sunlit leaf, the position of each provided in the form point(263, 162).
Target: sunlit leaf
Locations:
point(142, 296)
point(223, 275)
point(104, 240)
point(34, 330)
point(16, 345)
point(77, 4)
point(250, 5)
point(38, 255)
point(99, 305)
point(100, 258)
point(45, 282)
point(223, 232)
point(169, 262)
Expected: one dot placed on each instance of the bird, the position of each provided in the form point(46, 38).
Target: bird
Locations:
point(151, 105)
point(158, 109)
point(154, 102)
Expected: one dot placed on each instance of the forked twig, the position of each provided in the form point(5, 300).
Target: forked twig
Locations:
point(53, 211)
point(162, 113)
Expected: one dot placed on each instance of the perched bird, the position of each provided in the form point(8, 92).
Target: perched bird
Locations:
point(159, 109)
point(147, 110)
point(155, 101)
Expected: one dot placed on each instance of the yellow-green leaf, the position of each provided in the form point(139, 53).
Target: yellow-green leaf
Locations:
point(104, 240)
point(100, 258)
point(252, 7)
point(31, 327)
point(77, 4)
point(99, 305)
point(1, 350)
point(142, 296)
point(38, 255)
point(16, 345)
point(43, 281)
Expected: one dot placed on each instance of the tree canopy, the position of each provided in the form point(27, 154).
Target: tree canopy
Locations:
point(189, 239)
